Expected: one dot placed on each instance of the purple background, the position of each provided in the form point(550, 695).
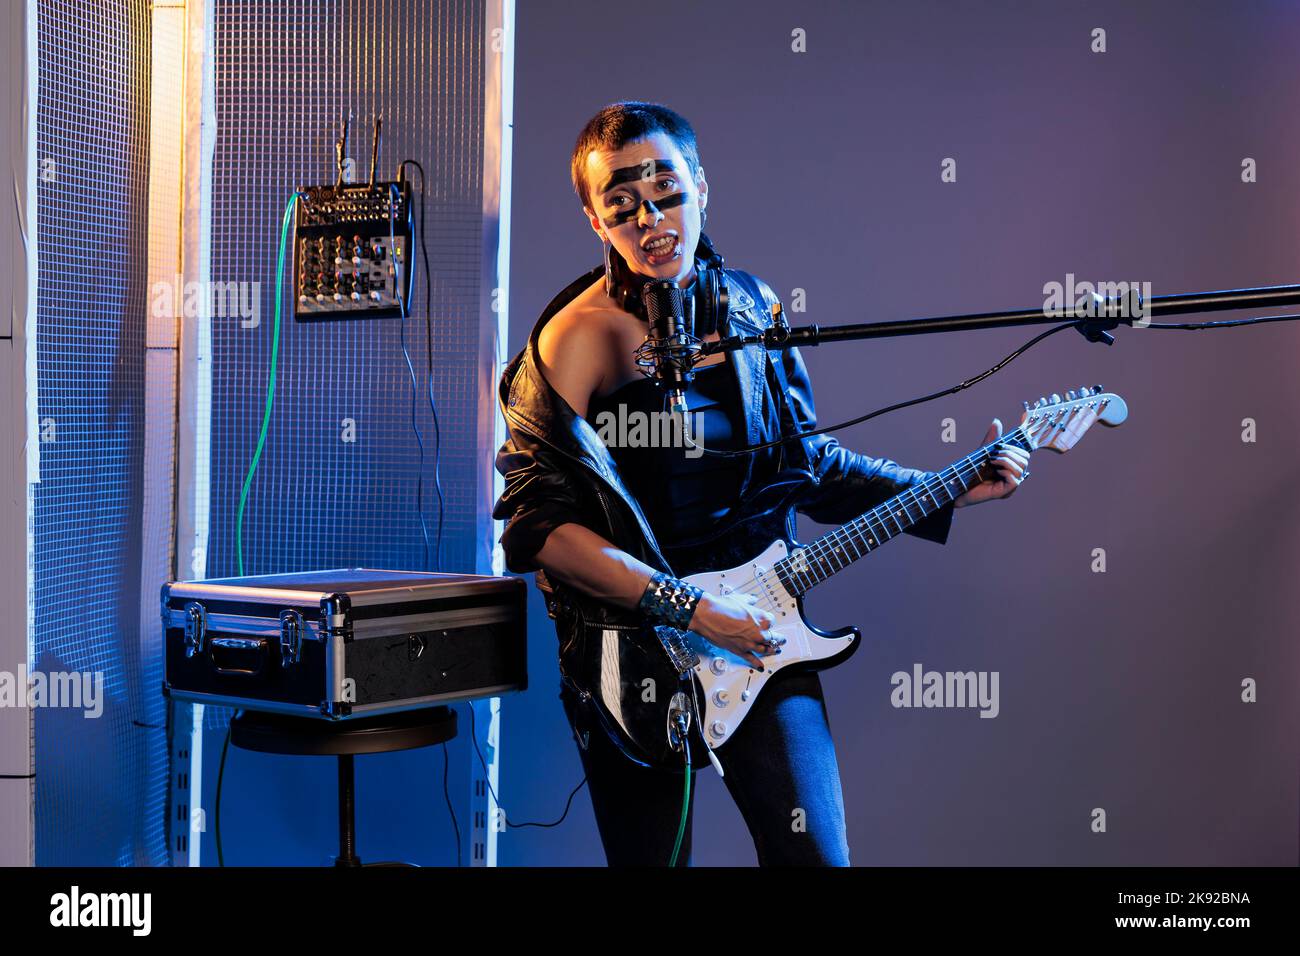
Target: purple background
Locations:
point(1118, 690)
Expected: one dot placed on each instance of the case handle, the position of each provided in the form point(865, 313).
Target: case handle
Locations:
point(237, 645)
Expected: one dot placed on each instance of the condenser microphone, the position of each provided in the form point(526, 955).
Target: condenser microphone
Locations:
point(668, 353)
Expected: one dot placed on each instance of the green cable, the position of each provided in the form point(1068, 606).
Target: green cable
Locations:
point(270, 387)
point(686, 805)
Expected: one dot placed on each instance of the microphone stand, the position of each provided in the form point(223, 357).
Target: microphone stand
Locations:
point(1094, 322)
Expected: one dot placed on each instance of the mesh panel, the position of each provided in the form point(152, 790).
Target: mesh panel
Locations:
point(285, 72)
point(92, 126)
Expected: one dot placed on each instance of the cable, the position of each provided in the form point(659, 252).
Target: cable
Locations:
point(1189, 326)
point(221, 772)
point(428, 350)
point(735, 453)
point(1221, 324)
point(415, 387)
point(486, 779)
point(686, 800)
point(446, 794)
point(270, 386)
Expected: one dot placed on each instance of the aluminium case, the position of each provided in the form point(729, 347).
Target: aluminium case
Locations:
point(344, 642)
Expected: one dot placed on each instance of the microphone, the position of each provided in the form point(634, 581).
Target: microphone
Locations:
point(668, 353)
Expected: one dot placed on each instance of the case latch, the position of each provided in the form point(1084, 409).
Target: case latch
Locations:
point(196, 627)
point(291, 637)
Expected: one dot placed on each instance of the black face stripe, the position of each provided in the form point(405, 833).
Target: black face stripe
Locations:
point(627, 215)
point(642, 170)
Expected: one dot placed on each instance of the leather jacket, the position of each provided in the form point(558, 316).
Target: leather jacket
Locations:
point(557, 469)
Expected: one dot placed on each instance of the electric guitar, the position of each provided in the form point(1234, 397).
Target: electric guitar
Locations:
point(647, 699)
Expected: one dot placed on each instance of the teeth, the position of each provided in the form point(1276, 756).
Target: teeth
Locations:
point(661, 246)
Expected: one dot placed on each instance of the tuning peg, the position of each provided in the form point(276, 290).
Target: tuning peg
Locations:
point(1026, 404)
point(1041, 402)
point(1084, 391)
point(1097, 390)
point(1071, 395)
point(1056, 399)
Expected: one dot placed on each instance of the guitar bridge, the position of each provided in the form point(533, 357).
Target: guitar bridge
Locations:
point(680, 654)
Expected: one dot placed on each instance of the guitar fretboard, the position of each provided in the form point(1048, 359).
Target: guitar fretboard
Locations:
point(813, 563)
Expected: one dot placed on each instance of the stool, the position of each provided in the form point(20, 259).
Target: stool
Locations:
point(308, 736)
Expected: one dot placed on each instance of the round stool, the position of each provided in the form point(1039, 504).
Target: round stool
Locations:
point(307, 736)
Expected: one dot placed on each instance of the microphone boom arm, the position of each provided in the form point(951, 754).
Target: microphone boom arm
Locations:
point(1093, 323)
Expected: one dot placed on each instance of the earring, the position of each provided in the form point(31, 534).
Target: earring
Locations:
point(704, 218)
point(609, 269)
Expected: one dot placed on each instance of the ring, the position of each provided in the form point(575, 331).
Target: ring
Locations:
point(1024, 474)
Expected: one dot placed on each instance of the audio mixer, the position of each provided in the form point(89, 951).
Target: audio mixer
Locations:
point(352, 246)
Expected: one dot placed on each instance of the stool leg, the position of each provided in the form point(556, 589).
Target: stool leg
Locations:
point(347, 814)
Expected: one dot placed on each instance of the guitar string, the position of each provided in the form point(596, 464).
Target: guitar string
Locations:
point(761, 592)
point(824, 548)
point(828, 549)
point(821, 547)
point(972, 462)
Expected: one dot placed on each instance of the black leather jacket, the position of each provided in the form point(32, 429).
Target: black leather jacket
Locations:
point(558, 470)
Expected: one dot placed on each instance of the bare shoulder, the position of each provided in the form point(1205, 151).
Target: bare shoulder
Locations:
point(577, 347)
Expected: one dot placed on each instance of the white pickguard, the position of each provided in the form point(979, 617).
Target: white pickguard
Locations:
point(731, 685)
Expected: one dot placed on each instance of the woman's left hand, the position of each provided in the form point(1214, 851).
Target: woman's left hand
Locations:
point(1012, 465)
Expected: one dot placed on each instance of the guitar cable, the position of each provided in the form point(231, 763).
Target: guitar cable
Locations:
point(686, 788)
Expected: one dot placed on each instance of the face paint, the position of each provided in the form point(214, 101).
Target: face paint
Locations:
point(627, 215)
point(647, 170)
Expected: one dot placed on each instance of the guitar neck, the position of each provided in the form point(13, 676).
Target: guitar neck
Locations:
point(811, 564)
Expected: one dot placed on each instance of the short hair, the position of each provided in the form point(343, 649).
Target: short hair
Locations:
point(621, 123)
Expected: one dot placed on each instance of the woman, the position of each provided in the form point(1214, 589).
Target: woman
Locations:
point(612, 530)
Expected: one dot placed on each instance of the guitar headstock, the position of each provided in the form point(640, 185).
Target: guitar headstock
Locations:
point(1058, 423)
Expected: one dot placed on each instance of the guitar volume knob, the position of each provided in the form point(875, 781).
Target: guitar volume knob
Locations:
point(718, 665)
point(721, 698)
point(718, 729)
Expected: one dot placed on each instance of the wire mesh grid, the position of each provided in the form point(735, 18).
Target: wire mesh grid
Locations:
point(336, 485)
point(92, 149)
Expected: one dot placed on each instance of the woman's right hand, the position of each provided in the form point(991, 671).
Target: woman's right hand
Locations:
point(737, 625)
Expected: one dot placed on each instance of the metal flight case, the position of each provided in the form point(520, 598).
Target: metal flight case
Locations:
point(345, 642)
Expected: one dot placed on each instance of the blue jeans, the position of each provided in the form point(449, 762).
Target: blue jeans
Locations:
point(780, 769)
